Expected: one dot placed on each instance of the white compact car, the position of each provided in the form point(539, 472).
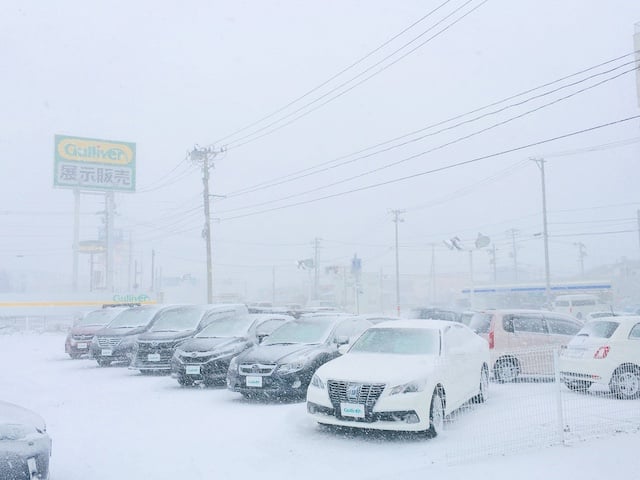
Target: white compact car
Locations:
point(606, 351)
point(402, 375)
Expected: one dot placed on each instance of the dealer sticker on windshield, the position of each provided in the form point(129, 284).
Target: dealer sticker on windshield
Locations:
point(254, 381)
point(153, 357)
point(107, 352)
point(352, 410)
point(192, 369)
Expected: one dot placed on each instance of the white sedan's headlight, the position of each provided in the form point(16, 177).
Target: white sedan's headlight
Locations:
point(317, 382)
point(410, 387)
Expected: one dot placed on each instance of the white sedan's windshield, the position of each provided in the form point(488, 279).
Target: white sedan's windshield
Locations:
point(402, 341)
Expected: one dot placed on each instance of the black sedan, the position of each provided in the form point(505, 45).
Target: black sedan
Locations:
point(25, 446)
point(283, 364)
point(205, 358)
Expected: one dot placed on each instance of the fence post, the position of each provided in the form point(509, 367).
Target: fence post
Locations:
point(556, 370)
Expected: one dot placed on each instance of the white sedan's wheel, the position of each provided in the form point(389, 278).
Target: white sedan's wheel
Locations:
point(436, 414)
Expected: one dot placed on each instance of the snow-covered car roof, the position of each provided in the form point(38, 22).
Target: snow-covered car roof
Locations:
point(413, 323)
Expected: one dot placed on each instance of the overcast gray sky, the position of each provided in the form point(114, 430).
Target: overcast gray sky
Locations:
point(169, 75)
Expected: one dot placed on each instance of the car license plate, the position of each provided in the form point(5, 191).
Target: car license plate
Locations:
point(31, 465)
point(81, 346)
point(106, 352)
point(254, 382)
point(193, 369)
point(352, 410)
point(153, 357)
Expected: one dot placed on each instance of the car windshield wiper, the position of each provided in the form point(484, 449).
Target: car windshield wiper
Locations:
point(582, 335)
point(126, 326)
point(164, 331)
point(281, 343)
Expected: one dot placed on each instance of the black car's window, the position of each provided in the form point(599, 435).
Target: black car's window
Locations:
point(99, 317)
point(599, 329)
point(350, 328)
point(227, 327)
point(268, 326)
point(134, 317)
point(178, 319)
point(635, 332)
point(305, 330)
point(402, 341)
point(480, 322)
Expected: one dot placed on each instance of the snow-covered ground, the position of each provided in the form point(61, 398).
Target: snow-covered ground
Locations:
point(113, 423)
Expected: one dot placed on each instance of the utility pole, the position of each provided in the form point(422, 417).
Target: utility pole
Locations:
point(493, 263)
point(316, 270)
point(109, 250)
point(153, 269)
point(432, 273)
point(581, 254)
point(76, 236)
point(514, 251)
point(204, 157)
point(273, 285)
point(545, 232)
point(396, 219)
point(638, 214)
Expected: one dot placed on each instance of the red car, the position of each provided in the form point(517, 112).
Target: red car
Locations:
point(82, 332)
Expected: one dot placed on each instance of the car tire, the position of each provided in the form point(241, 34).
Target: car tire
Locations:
point(578, 385)
point(436, 414)
point(103, 363)
point(185, 381)
point(483, 389)
point(625, 382)
point(506, 370)
point(75, 356)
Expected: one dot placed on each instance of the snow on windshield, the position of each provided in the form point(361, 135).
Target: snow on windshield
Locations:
point(227, 327)
point(99, 317)
point(134, 317)
point(178, 319)
point(302, 331)
point(403, 341)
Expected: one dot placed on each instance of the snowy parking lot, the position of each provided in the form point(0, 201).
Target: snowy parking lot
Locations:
point(113, 423)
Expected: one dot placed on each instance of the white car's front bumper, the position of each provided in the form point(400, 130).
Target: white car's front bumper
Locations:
point(401, 412)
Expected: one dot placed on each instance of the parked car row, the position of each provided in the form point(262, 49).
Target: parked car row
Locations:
point(369, 371)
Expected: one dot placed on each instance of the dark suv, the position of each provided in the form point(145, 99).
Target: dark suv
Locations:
point(117, 341)
point(205, 357)
point(81, 334)
point(173, 326)
point(283, 364)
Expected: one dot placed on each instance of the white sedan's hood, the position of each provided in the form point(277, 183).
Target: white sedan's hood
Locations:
point(378, 368)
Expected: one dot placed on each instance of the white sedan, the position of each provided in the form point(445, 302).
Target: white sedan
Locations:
point(606, 351)
point(402, 375)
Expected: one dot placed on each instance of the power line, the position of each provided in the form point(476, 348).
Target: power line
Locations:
point(439, 169)
point(333, 77)
point(269, 132)
point(297, 174)
point(439, 147)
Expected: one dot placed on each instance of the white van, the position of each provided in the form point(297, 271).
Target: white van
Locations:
point(578, 305)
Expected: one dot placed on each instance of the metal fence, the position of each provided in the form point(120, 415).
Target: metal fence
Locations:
point(35, 323)
point(536, 411)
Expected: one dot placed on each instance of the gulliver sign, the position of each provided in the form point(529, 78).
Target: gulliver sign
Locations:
point(90, 163)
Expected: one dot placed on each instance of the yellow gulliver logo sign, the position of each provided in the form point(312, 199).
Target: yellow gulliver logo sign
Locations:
point(95, 151)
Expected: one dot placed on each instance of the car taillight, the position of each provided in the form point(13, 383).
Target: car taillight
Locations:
point(601, 353)
point(492, 340)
